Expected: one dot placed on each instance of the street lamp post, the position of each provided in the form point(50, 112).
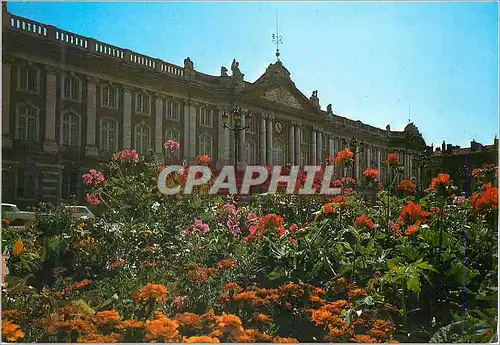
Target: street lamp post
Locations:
point(236, 113)
point(353, 145)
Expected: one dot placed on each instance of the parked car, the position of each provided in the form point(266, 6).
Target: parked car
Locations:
point(81, 212)
point(15, 216)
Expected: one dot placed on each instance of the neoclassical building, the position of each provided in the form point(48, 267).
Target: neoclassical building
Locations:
point(70, 101)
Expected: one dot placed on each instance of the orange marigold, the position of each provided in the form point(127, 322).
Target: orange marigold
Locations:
point(201, 339)
point(162, 330)
point(327, 208)
point(131, 323)
point(229, 323)
point(18, 247)
point(261, 317)
point(189, 320)
point(284, 340)
point(99, 338)
point(363, 338)
point(364, 221)
point(321, 317)
point(11, 331)
point(226, 263)
point(106, 318)
point(157, 292)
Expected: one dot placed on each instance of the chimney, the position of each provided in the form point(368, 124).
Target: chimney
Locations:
point(443, 146)
point(495, 143)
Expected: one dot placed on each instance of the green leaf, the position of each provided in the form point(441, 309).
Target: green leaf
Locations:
point(413, 283)
point(275, 275)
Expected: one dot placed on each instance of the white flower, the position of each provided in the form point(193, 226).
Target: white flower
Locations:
point(155, 206)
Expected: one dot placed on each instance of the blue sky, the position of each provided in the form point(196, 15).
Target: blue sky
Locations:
point(375, 62)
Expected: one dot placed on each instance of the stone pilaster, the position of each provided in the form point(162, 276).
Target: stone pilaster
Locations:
point(297, 145)
point(379, 158)
point(313, 147)
point(90, 147)
point(193, 140)
point(127, 118)
point(263, 149)
point(369, 157)
point(223, 141)
point(50, 144)
point(6, 115)
point(269, 144)
point(319, 154)
point(159, 125)
point(357, 175)
point(410, 163)
point(242, 143)
point(291, 141)
point(185, 119)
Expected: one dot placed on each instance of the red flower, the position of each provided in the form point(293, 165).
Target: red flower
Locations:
point(203, 159)
point(407, 186)
point(441, 179)
point(327, 208)
point(93, 199)
point(292, 227)
point(392, 158)
point(371, 174)
point(412, 228)
point(412, 213)
point(344, 156)
point(487, 200)
point(364, 221)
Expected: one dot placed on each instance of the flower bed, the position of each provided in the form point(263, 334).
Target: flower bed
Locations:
point(283, 268)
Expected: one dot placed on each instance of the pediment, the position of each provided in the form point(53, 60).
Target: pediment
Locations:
point(283, 96)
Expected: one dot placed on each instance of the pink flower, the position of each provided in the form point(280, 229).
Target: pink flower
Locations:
point(230, 207)
point(198, 224)
point(93, 199)
point(93, 178)
point(126, 155)
point(234, 226)
point(396, 228)
point(171, 144)
point(292, 227)
point(251, 217)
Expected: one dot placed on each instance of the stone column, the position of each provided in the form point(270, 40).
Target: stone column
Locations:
point(193, 140)
point(185, 119)
point(50, 144)
point(313, 147)
point(262, 139)
point(242, 143)
point(291, 139)
point(378, 158)
point(6, 115)
point(297, 145)
point(222, 140)
point(411, 165)
point(269, 127)
point(127, 118)
point(369, 157)
point(357, 168)
point(90, 147)
point(159, 125)
point(319, 154)
point(331, 146)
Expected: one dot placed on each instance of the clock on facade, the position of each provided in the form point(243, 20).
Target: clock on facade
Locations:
point(278, 127)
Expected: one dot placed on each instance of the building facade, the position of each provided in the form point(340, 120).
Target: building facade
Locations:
point(70, 101)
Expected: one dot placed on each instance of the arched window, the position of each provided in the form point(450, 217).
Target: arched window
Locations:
point(109, 97)
point(27, 122)
point(172, 134)
point(205, 145)
point(142, 135)
point(72, 88)
point(109, 135)
point(70, 128)
point(279, 153)
point(251, 153)
point(173, 111)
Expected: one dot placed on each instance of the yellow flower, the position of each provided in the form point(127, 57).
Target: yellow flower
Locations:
point(11, 331)
point(18, 247)
point(80, 226)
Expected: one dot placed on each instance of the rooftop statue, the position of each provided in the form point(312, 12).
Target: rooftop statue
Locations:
point(235, 68)
point(188, 64)
point(223, 71)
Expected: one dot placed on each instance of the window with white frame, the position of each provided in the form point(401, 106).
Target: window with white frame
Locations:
point(28, 78)
point(109, 135)
point(304, 157)
point(172, 134)
point(142, 138)
point(205, 145)
point(72, 88)
point(142, 103)
point(279, 153)
point(70, 128)
point(109, 96)
point(27, 122)
point(206, 117)
point(251, 153)
point(173, 111)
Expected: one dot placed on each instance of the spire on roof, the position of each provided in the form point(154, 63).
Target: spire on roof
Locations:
point(277, 38)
